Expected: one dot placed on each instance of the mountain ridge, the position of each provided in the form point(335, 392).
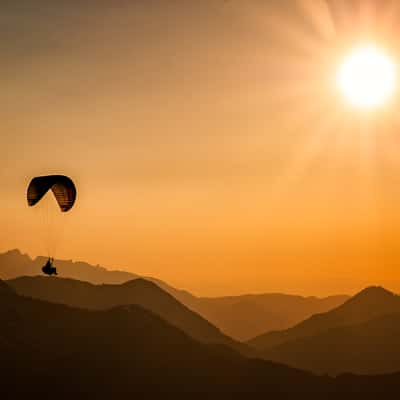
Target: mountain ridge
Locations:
point(241, 317)
point(367, 348)
point(365, 305)
point(127, 350)
point(360, 336)
point(139, 291)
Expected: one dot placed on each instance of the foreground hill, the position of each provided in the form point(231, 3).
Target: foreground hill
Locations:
point(139, 291)
point(63, 351)
point(52, 350)
point(241, 317)
point(370, 303)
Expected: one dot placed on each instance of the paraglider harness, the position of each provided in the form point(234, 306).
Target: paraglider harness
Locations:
point(49, 268)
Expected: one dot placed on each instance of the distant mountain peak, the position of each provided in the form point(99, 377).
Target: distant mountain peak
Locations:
point(373, 292)
point(140, 282)
point(372, 299)
point(13, 251)
point(16, 253)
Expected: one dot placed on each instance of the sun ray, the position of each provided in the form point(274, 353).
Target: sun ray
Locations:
point(319, 15)
point(324, 123)
point(305, 96)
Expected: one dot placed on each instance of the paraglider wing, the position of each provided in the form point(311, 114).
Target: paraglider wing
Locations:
point(62, 187)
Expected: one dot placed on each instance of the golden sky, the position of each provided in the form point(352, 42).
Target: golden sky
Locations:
point(207, 139)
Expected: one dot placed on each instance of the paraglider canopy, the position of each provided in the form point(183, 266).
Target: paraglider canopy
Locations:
point(62, 187)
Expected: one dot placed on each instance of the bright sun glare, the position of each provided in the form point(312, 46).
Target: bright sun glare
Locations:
point(367, 77)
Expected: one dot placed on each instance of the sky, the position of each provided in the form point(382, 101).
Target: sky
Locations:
point(207, 139)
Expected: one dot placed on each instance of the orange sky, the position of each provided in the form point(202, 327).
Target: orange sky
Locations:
point(207, 140)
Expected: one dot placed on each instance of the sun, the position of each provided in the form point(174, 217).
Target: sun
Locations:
point(367, 77)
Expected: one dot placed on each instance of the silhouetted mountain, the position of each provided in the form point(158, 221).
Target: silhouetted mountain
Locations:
point(13, 264)
point(52, 350)
point(244, 316)
point(241, 317)
point(139, 291)
point(372, 347)
point(360, 336)
point(60, 350)
point(366, 305)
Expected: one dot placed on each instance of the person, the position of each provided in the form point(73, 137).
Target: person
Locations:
point(49, 268)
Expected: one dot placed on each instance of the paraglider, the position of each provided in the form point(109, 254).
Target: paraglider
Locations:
point(49, 268)
point(64, 191)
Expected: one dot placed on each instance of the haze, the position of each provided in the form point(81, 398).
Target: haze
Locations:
point(207, 139)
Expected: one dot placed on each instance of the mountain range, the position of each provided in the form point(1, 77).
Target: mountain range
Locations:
point(360, 336)
point(366, 328)
point(138, 291)
point(53, 350)
point(240, 317)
